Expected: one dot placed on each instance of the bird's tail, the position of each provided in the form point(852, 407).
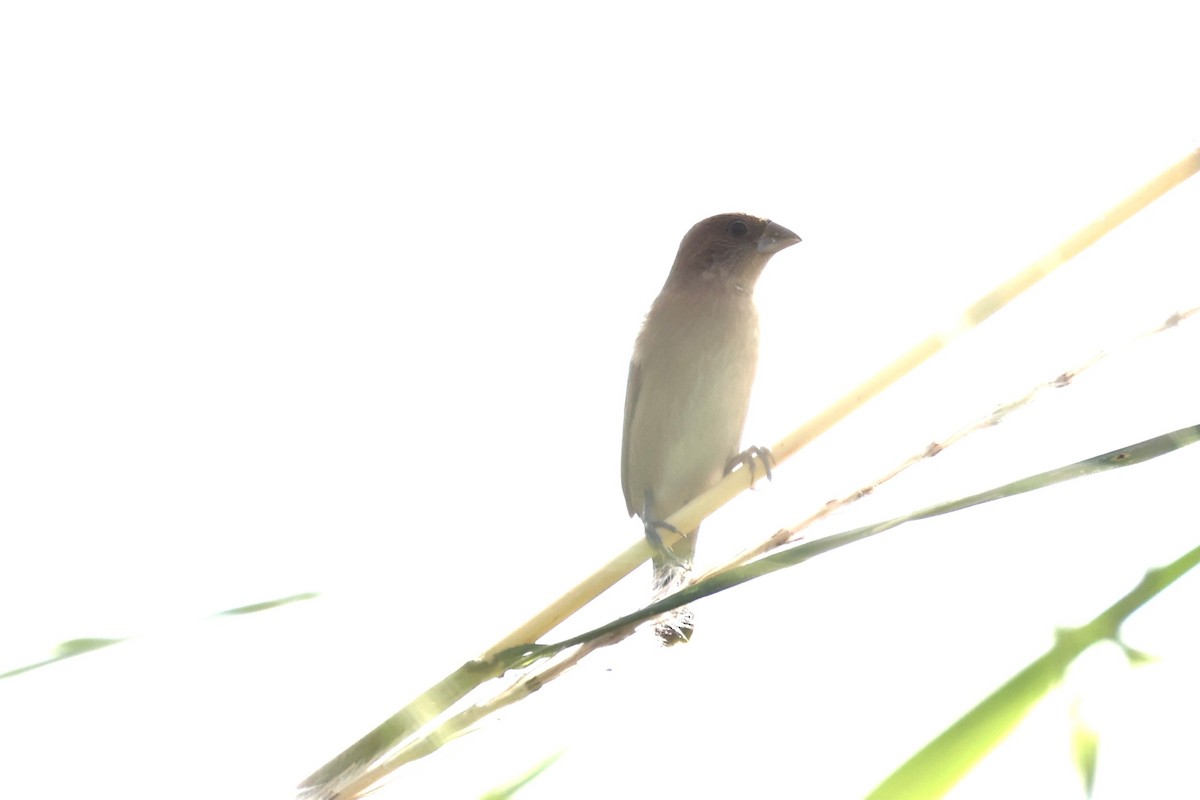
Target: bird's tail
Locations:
point(670, 575)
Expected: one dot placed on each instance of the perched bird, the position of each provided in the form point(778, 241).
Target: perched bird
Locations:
point(689, 385)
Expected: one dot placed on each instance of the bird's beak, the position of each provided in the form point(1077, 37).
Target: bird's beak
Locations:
point(775, 238)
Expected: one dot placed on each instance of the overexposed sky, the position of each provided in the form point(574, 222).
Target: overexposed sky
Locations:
point(340, 299)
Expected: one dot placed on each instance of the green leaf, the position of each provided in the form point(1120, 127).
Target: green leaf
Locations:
point(1085, 745)
point(943, 762)
point(511, 789)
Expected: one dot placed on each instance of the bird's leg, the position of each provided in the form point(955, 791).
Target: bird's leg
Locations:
point(747, 458)
point(652, 524)
point(670, 575)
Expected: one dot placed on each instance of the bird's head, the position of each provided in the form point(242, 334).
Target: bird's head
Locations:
point(729, 248)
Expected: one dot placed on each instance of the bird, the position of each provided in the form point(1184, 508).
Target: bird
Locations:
point(689, 385)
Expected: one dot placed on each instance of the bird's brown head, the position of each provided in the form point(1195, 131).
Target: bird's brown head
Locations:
point(730, 249)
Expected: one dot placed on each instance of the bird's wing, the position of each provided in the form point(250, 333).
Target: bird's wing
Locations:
point(632, 389)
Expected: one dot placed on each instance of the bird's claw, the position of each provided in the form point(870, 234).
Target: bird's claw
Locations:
point(656, 541)
point(747, 459)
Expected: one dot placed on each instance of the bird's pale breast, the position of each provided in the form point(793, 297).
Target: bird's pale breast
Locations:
point(696, 360)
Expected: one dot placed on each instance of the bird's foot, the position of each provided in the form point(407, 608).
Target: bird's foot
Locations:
point(747, 459)
point(656, 541)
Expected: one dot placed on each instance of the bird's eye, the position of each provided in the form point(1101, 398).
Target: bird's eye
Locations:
point(738, 228)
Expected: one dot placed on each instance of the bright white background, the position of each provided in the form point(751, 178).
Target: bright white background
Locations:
point(340, 298)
